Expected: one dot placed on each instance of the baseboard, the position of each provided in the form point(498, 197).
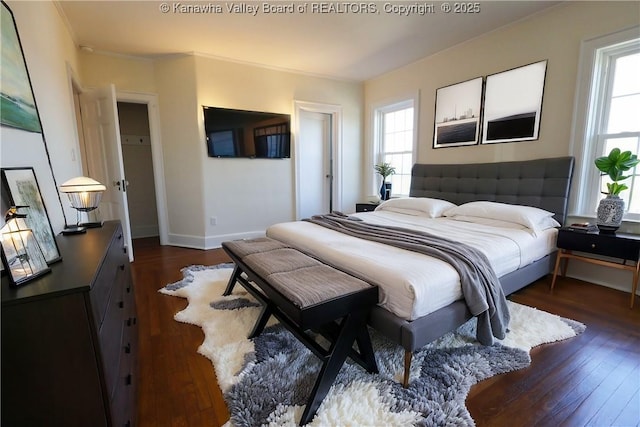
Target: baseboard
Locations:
point(209, 242)
point(212, 242)
point(185, 241)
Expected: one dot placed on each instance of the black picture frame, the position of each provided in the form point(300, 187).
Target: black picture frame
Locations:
point(458, 114)
point(513, 104)
point(22, 189)
point(22, 258)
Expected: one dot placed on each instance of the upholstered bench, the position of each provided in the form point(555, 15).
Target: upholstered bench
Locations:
point(306, 295)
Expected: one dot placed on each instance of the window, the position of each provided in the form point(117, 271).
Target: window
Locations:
point(610, 118)
point(395, 137)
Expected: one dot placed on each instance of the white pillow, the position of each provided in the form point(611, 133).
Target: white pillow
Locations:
point(488, 221)
point(417, 206)
point(533, 218)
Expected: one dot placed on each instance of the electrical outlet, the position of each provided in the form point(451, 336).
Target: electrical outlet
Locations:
point(213, 220)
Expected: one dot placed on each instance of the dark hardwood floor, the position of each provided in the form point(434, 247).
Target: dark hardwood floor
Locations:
point(590, 380)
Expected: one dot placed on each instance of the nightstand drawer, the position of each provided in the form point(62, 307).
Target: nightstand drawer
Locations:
point(600, 244)
point(366, 207)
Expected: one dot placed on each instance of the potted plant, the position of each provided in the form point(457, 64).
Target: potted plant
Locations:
point(611, 208)
point(385, 169)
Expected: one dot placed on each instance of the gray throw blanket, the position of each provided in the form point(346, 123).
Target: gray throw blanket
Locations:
point(481, 288)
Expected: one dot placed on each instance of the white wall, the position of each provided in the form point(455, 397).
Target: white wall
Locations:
point(247, 195)
point(184, 179)
point(554, 34)
point(48, 50)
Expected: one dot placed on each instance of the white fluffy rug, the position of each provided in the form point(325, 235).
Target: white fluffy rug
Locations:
point(266, 381)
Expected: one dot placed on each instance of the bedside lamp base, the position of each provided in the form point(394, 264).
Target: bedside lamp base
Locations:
point(74, 229)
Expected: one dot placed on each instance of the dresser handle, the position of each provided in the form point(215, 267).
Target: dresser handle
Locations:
point(121, 267)
point(127, 348)
point(121, 304)
point(128, 289)
point(127, 380)
point(593, 246)
point(129, 321)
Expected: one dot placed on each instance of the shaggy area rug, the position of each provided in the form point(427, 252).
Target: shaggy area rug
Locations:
point(266, 381)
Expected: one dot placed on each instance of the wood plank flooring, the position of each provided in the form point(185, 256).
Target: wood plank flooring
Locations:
point(590, 380)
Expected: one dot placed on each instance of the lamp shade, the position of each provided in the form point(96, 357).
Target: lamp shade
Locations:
point(84, 193)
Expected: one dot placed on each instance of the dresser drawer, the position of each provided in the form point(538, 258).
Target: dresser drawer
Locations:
point(111, 337)
point(131, 322)
point(599, 244)
point(123, 400)
point(114, 262)
point(123, 403)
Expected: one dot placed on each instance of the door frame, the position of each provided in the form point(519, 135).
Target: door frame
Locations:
point(335, 111)
point(151, 101)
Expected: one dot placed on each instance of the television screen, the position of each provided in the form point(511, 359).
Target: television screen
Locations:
point(241, 133)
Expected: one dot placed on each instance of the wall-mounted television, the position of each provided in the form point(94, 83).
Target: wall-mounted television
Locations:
point(242, 133)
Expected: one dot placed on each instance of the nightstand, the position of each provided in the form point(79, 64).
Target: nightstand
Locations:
point(366, 207)
point(623, 246)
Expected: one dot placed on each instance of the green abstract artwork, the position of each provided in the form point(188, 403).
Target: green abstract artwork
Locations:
point(18, 107)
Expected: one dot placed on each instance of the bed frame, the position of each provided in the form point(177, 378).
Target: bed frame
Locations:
point(542, 183)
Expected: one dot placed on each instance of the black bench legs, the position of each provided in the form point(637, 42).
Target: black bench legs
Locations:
point(352, 326)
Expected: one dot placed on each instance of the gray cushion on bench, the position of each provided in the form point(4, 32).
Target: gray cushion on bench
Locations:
point(308, 286)
point(242, 248)
point(300, 278)
point(278, 261)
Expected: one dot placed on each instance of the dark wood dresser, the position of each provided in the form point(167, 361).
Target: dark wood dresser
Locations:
point(70, 337)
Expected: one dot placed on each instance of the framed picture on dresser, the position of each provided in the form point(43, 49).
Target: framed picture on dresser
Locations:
point(21, 187)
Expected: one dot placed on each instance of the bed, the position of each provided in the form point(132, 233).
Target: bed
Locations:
point(409, 318)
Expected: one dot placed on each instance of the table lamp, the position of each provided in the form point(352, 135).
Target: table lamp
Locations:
point(84, 194)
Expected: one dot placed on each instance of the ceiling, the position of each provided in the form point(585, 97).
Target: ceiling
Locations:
point(345, 42)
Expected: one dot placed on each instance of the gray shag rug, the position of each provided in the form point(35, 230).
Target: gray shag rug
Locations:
point(267, 380)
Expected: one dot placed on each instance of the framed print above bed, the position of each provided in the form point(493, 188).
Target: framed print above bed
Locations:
point(22, 189)
point(513, 104)
point(457, 116)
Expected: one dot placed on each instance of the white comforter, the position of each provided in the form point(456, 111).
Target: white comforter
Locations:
point(413, 285)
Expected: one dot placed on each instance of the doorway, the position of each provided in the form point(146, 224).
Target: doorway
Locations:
point(314, 159)
point(94, 160)
point(135, 137)
point(318, 162)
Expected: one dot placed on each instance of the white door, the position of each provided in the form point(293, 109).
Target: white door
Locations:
point(314, 157)
point(104, 154)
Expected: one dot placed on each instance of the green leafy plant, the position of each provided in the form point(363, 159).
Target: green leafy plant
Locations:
point(385, 169)
point(614, 165)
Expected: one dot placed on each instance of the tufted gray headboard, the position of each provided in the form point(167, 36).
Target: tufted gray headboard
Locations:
point(543, 183)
